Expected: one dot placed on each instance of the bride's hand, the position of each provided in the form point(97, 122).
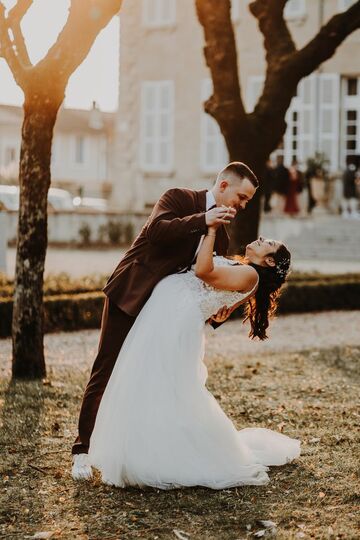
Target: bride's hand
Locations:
point(222, 315)
point(219, 215)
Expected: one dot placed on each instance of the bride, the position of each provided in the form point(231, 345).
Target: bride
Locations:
point(157, 424)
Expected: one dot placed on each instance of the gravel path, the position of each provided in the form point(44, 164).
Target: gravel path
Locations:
point(289, 333)
point(77, 262)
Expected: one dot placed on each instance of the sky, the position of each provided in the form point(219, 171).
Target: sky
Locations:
point(96, 79)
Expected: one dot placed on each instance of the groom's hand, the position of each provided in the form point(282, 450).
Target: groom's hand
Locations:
point(219, 215)
point(223, 314)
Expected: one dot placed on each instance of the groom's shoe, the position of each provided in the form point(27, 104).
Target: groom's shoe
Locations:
point(81, 468)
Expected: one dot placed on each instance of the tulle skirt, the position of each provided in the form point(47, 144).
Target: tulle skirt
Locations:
point(157, 423)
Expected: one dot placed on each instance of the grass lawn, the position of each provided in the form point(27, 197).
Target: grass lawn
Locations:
point(312, 395)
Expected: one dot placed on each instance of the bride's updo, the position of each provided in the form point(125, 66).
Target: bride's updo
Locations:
point(262, 306)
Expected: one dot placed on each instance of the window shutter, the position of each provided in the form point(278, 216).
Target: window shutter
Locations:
point(157, 109)
point(213, 154)
point(343, 5)
point(159, 12)
point(294, 9)
point(329, 88)
point(299, 139)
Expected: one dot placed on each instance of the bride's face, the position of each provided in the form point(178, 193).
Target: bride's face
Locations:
point(261, 250)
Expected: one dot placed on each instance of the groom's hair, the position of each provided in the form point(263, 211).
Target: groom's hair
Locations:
point(238, 171)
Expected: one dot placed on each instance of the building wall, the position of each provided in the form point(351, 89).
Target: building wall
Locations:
point(174, 52)
point(80, 157)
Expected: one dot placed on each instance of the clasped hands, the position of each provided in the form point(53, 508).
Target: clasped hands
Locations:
point(222, 315)
point(219, 215)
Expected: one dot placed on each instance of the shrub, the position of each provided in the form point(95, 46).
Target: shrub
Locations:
point(76, 309)
point(115, 231)
point(85, 234)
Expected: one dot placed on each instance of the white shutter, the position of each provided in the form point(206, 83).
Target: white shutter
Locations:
point(329, 89)
point(157, 13)
point(307, 118)
point(294, 9)
point(254, 89)
point(156, 125)
point(299, 139)
point(343, 5)
point(213, 154)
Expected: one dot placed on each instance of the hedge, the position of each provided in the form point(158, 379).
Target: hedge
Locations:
point(66, 312)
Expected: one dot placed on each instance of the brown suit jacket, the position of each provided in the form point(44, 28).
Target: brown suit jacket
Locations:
point(166, 244)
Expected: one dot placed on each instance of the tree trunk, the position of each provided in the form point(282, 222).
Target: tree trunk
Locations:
point(34, 179)
point(246, 224)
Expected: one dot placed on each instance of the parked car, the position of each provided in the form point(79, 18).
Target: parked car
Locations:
point(91, 203)
point(58, 199)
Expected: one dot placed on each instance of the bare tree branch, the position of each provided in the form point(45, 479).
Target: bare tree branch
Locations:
point(277, 37)
point(63, 58)
point(7, 50)
point(325, 43)
point(14, 18)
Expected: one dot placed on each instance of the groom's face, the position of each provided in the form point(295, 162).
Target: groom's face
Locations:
point(237, 193)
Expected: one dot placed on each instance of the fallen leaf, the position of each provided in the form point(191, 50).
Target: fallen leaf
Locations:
point(181, 534)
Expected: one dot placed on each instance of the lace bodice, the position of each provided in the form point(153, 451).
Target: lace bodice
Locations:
point(209, 298)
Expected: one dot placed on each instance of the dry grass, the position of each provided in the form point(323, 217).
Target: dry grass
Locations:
point(310, 395)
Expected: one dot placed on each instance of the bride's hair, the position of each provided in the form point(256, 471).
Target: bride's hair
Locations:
point(262, 306)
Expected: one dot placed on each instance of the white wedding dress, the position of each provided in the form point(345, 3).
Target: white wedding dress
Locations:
point(157, 423)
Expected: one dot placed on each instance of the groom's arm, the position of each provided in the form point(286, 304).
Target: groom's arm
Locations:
point(170, 219)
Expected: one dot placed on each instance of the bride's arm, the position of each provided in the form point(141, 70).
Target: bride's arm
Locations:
point(241, 278)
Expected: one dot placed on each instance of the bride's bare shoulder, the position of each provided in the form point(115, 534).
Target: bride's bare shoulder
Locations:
point(249, 277)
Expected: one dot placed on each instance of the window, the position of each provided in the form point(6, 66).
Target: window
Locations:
point(350, 143)
point(79, 150)
point(214, 155)
point(294, 9)
point(352, 87)
point(157, 110)
point(343, 5)
point(299, 137)
point(351, 131)
point(159, 13)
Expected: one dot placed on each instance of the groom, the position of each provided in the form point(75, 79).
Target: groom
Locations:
point(167, 244)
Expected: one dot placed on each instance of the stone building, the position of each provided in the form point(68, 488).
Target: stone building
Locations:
point(81, 152)
point(162, 136)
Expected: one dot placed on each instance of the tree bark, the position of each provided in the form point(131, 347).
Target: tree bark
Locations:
point(34, 179)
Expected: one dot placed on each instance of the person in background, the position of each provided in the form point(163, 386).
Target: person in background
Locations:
point(295, 186)
point(281, 185)
point(349, 204)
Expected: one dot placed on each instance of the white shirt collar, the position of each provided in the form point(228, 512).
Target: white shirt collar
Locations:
point(210, 200)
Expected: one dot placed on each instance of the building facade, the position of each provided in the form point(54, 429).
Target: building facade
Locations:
point(162, 136)
point(81, 152)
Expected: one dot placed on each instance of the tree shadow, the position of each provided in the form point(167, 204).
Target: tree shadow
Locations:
point(19, 438)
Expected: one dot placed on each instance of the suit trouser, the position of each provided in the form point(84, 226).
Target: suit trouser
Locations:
point(115, 326)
